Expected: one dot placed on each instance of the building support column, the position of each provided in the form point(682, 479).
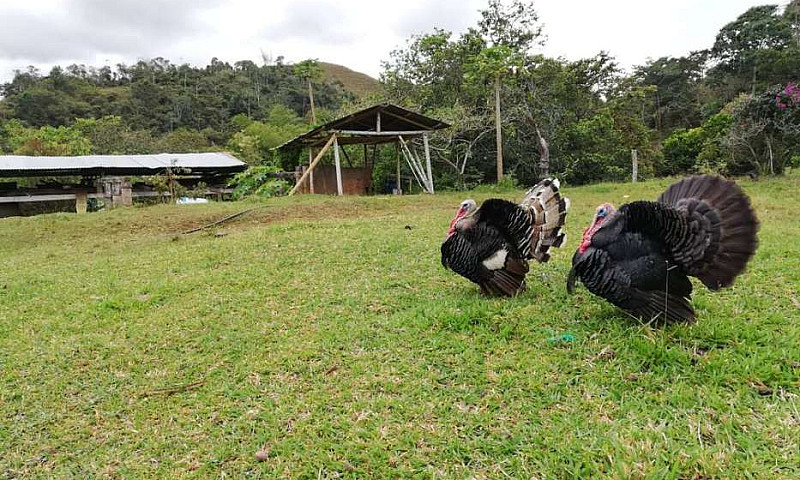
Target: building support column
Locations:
point(80, 202)
point(338, 166)
point(428, 162)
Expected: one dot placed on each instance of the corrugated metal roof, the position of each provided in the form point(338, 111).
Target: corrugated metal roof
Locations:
point(213, 162)
point(394, 118)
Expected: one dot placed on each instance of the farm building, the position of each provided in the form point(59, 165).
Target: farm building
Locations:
point(89, 178)
point(377, 125)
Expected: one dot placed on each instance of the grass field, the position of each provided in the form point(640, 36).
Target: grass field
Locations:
point(325, 332)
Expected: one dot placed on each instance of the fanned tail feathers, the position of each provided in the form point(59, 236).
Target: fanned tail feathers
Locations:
point(720, 207)
point(548, 211)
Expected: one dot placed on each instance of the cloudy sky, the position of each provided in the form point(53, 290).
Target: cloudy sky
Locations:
point(356, 33)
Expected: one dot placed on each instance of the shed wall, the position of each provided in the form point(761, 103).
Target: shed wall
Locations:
point(355, 180)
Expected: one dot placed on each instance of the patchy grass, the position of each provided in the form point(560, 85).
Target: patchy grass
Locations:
point(326, 333)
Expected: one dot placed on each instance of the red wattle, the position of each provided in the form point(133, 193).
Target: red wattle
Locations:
point(587, 239)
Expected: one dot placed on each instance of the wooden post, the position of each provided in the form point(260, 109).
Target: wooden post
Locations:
point(428, 162)
point(398, 185)
point(127, 193)
point(378, 122)
point(311, 100)
point(311, 174)
point(499, 138)
point(635, 166)
point(338, 166)
point(80, 202)
point(313, 164)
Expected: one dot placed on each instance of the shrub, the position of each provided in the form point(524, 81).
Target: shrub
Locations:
point(257, 181)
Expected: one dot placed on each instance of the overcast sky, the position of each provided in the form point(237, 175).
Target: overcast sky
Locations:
point(356, 33)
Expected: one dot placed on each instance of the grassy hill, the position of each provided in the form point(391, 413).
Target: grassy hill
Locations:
point(325, 332)
point(357, 83)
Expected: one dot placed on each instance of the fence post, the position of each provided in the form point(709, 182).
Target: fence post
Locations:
point(635, 166)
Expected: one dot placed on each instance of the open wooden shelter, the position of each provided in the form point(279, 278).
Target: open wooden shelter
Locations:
point(376, 125)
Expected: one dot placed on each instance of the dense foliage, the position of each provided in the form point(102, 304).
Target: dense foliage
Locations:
point(713, 110)
point(731, 108)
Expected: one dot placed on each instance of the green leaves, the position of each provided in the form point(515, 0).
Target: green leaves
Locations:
point(492, 62)
point(45, 140)
point(308, 69)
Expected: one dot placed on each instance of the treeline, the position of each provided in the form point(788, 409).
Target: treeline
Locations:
point(160, 96)
point(156, 106)
point(733, 108)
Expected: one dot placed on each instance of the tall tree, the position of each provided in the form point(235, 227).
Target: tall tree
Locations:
point(490, 65)
point(747, 44)
point(511, 31)
point(311, 72)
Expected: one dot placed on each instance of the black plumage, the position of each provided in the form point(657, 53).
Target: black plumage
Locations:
point(491, 245)
point(640, 257)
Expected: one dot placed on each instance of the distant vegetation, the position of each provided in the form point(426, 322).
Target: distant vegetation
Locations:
point(732, 108)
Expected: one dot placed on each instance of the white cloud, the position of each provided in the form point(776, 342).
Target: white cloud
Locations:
point(357, 33)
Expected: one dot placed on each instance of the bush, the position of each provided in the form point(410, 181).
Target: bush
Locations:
point(698, 149)
point(257, 181)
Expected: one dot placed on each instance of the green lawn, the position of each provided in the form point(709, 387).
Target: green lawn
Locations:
point(325, 332)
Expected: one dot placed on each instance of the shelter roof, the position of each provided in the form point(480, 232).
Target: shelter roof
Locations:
point(362, 127)
point(207, 163)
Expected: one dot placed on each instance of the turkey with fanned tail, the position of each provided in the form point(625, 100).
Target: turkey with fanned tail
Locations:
point(491, 245)
point(640, 257)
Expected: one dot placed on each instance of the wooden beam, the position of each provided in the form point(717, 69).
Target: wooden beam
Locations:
point(407, 120)
point(347, 157)
point(338, 166)
point(428, 161)
point(310, 175)
point(367, 133)
point(414, 164)
point(398, 186)
point(313, 164)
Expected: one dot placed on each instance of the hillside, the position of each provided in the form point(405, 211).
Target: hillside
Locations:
point(325, 332)
point(357, 83)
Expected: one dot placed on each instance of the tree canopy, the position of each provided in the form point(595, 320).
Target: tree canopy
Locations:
point(731, 107)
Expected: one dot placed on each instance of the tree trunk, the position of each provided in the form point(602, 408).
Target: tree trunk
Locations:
point(498, 128)
point(771, 155)
point(544, 155)
point(311, 99)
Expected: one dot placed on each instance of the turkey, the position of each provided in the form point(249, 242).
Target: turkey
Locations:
point(491, 245)
point(640, 257)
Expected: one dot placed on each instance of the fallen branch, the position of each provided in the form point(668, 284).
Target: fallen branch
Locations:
point(172, 390)
point(222, 220)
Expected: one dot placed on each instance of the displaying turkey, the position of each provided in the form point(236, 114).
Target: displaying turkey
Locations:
point(640, 256)
point(491, 245)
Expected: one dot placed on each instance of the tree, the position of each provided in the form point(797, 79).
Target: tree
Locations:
point(311, 72)
point(677, 100)
point(510, 31)
point(46, 140)
point(745, 45)
point(767, 127)
point(515, 26)
point(491, 64)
